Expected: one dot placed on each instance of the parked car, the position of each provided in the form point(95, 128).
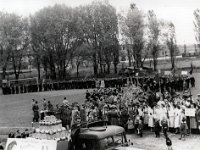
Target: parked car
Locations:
point(107, 137)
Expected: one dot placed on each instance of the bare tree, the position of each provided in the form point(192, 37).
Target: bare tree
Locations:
point(154, 34)
point(171, 43)
point(132, 27)
point(14, 41)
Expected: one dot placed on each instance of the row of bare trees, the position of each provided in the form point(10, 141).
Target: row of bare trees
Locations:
point(144, 36)
point(56, 36)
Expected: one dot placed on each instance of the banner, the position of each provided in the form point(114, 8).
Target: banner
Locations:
point(190, 112)
point(167, 73)
point(184, 72)
point(30, 144)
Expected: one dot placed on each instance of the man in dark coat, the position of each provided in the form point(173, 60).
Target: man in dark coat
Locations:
point(157, 128)
point(50, 108)
point(192, 81)
point(35, 109)
point(66, 114)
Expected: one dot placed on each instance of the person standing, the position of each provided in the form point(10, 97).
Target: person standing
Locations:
point(35, 109)
point(157, 128)
point(66, 114)
point(33, 102)
point(83, 114)
point(45, 107)
point(171, 114)
point(183, 129)
point(169, 143)
point(177, 119)
point(130, 125)
point(57, 111)
point(198, 116)
point(124, 117)
point(165, 128)
point(150, 116)
point(146, 116)
point(50, 108)
point(75, 114)
point(193, 122)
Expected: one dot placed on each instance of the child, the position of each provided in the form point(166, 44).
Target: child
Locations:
point(157, 128)
point(169, 143)
point(130, 125)
point(164, 124)
point(137, 119)
point(140, 127)
point(183, 129)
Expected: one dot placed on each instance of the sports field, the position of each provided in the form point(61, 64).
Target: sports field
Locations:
point(16, 110)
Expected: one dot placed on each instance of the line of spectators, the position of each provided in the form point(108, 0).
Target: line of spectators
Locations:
point(170, 84)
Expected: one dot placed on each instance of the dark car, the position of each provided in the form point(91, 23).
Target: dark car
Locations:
point(101, 138)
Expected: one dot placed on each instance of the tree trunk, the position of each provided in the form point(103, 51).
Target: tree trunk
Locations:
point(108, 68)
point(77, 70)
point(95, 65)
point(101, 67)
point(150, 61)
point(172, 61)
point(115, 68)
point(16, 76)
point(142, 63)
point(4, 72)
point(64, 70)
point(155, 63)
point(129, 58)
point(100, 62)
point(14, 67)
point(45, 70)
point(38, 69)
point(53, 72)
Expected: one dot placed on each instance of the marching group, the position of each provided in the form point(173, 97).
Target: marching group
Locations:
point(144, 82)
point(46, 86)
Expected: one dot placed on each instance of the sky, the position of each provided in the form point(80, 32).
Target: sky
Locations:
point(180, 12)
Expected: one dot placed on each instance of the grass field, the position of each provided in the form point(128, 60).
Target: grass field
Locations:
point(15, 110)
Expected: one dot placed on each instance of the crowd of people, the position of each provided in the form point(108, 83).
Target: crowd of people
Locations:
point(17, 88)
point(161, 82)
point(141, 104)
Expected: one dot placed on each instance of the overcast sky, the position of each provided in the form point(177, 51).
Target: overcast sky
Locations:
point(180, 12)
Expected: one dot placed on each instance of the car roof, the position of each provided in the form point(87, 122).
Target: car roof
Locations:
point(127, 148)
point(101, 134)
